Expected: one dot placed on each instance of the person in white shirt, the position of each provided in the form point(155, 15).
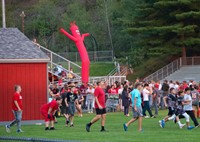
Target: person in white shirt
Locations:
point(171, 84)
point(146, 93)
point(90, 98)
point(188, 106)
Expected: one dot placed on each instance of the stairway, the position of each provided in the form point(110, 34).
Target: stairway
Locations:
point(186, 73)
point(182, 69)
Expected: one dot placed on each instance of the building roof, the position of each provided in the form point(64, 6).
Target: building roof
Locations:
point(15, 46)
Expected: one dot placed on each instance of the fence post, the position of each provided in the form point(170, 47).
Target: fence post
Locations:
point(157, 76)
point(192, 61)
point(69, 66)
point(51, 61)
point(180, 61)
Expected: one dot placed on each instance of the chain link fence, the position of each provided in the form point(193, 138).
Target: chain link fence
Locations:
point(95, 56)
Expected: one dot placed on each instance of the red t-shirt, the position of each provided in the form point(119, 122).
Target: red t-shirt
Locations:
point(17, 97)
point(100, 94)
point(53, 104)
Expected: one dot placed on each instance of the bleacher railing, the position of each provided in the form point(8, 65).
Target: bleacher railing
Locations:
point(57, 59)
point(108, 79)
point(172, 67)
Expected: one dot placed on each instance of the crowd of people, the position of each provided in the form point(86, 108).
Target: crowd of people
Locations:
point(181, 99)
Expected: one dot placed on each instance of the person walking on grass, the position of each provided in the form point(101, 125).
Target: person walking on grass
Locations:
point(48, 111)
point(176, 103)
point(136, 108)
point(147, 92)
point(100, 107)
point(71, 101)
point(187, 106)
point(17, 110)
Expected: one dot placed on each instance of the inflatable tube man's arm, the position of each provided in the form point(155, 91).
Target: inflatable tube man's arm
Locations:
point(67, 34)
point(84, 35)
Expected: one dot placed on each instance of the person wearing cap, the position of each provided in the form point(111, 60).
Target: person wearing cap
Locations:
point(188, 106)
point(136, 108)
point(48, 111)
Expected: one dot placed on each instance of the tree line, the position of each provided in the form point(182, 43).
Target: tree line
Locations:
point(135, 30)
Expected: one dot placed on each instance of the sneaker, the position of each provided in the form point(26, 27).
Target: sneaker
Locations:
point(7, 129)
point(72, 125)
point(20, 131)
point(146, 116)
point(175, 120)
point(153, 116)
point(182, 125)
point(47, 128)
point(87, 127)
point(52, 128)
point(103, 130)
point(141, 131)
point(162, 124)
point(125, 127)
point(197, 126)
point(190, 127)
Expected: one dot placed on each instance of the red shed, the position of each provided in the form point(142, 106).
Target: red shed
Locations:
point(23, 63)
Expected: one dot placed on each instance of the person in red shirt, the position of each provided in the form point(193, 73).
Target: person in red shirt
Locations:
point(48, 111)
point(17, 110)
point(100, 107)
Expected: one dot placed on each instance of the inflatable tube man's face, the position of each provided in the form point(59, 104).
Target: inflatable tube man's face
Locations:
point(75, 31)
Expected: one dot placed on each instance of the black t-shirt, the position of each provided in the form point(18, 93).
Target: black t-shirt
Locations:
point(71, 97)
point(64, 95)
point(55, 90)
point(165, 87)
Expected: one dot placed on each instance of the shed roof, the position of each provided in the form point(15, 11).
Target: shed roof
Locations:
point(16, 47)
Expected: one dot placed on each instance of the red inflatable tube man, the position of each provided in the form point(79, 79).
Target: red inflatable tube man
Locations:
point(78, 40)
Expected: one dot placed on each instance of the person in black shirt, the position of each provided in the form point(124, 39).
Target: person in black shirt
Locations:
point(64, 108)
point(71, 100)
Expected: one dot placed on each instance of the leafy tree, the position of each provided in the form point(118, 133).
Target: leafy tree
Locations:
point(167, 24)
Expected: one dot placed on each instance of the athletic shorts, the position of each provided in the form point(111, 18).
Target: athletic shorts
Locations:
point(45, 115)
point(100, 111)
point(71, 109)
point(171, 111)
point(137, 113)
point(179, 112)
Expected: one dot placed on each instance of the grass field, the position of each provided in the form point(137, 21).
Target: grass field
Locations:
point(152, 131)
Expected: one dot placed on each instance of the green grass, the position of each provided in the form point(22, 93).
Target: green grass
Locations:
point(152, 131)
point(101, 68)
point(96, 68)
point(150, 66)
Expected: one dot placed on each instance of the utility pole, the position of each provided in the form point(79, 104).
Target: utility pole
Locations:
point(3, 14)
point(22, 15)
point(108, 24)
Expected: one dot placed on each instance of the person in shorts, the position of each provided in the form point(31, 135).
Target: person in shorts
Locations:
point(71, 100)
point(100, 107)
point(48, 111)
point(136, 108)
